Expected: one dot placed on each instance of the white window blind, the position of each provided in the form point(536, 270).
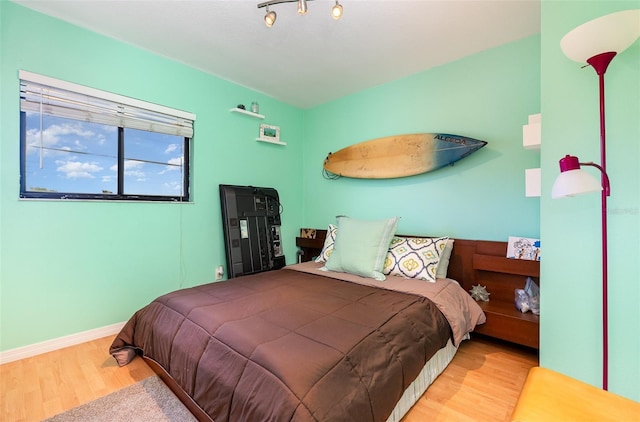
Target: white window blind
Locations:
point(45, 95)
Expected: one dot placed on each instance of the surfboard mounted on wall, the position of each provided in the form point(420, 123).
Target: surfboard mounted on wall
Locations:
point(399, 156)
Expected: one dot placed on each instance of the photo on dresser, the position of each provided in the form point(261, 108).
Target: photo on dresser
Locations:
point(523, 248)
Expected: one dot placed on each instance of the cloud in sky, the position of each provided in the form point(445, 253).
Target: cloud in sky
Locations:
point(77, 169)
point(174, 186)
point(59, 136)
point(133, 168)
point(173, 164)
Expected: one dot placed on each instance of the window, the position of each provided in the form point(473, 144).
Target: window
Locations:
point(82, 143)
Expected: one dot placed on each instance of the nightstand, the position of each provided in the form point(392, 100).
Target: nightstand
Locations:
point(311, 247)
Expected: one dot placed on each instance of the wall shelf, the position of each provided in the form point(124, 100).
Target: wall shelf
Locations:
point(532, 132)
point(248, 113)
point(532, 139)
point(506, 265)
point(270, 141)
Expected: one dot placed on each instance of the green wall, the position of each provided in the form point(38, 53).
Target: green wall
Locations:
point(571, 327)
point(74, 266)
point(486, 96)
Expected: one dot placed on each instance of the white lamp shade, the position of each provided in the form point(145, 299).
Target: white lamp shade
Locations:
point(610, 33)
point(574, 182)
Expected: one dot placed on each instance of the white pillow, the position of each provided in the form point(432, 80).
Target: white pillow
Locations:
point(443, 265)
point(415, 257)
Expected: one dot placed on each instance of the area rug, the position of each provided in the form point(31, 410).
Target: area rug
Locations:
point(149, 400)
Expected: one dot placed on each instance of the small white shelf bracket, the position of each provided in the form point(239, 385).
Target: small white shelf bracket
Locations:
point(248, 113)
point(270, 141)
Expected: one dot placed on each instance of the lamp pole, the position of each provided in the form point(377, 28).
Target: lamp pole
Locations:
point(597, 42)
point(600, 62)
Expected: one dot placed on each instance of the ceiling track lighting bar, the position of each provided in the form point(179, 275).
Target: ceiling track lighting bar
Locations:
point(270, 16)
point(272, 2)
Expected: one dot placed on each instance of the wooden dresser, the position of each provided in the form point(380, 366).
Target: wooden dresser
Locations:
point(485, 263)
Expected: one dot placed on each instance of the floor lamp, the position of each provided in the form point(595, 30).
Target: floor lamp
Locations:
point(596, 43)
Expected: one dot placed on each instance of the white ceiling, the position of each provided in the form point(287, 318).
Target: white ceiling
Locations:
point(305, 60)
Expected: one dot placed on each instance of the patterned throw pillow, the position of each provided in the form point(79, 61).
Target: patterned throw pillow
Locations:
point(329, 241)
point(414, 257)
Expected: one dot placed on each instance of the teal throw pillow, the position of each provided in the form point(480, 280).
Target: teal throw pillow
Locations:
point(361, 246)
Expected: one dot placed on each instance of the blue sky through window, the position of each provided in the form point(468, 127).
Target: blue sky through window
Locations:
point(74, 156)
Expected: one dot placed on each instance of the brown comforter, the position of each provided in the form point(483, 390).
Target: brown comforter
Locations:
point(288, 346)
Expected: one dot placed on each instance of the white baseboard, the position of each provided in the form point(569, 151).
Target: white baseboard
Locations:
point(58, 343)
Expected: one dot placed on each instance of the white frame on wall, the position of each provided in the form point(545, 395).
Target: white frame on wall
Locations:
point(269, 133)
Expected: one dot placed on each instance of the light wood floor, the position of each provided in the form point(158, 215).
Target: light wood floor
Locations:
point(481, 384)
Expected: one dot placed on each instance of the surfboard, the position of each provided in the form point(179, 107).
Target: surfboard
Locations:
point(400, 155)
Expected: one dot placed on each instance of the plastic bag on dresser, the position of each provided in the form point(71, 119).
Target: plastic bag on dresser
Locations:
point(528, 299)
point(533, 292)
point(522, 301)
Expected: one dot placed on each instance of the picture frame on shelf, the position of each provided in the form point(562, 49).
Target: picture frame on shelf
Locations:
point(269, 133)
point(308, 233)
point(523, 248)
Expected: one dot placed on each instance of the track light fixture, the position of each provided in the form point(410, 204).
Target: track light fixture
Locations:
point(302, 7)
point(336, 11)
point(270, 17)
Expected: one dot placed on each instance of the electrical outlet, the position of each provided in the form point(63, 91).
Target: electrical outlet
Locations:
point(219, 272)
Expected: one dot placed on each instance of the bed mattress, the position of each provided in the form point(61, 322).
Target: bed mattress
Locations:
point(289, 345)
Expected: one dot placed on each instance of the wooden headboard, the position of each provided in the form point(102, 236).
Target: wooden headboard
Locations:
point(481, 262)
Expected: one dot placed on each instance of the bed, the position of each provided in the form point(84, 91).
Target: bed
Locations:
point(302, 343)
